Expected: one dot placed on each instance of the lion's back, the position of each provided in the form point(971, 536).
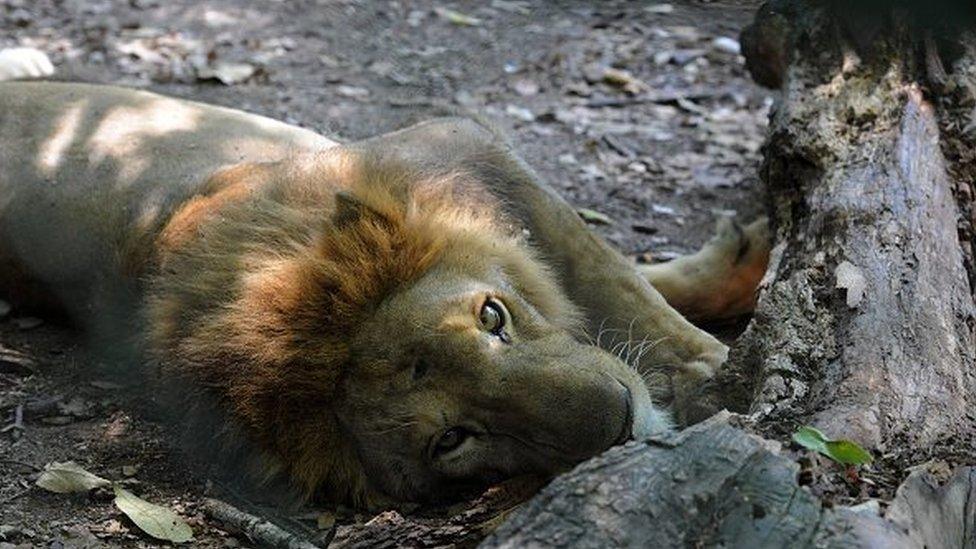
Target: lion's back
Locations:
point(85, 169)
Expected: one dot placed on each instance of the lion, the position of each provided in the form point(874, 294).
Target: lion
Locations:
point(397, 319)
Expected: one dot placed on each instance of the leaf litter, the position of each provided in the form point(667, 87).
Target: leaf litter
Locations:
point(157, 521)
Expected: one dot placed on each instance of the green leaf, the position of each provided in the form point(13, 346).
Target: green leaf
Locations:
point(593, 216)
point(68, 477)
point(158, 522)
point(841, 451)
point(845, 451)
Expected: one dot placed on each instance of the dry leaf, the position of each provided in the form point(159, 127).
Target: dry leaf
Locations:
point(159, 522)
point(624, 80)
point(68, 477)
point(228, 73)
point(593, 216)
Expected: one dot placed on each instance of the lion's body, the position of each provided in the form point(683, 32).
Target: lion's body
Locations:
point(89, 178)
point(288, 282)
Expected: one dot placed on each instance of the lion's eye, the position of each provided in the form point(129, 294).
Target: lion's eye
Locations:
point(492, 316)
point(451, 439)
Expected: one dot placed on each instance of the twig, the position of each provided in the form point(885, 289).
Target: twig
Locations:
point(662, 98)
point(260, 531)
point(18, 423)
point(30, 466)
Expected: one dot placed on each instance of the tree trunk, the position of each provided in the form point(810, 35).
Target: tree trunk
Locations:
point(865, 322)
point(866, 325)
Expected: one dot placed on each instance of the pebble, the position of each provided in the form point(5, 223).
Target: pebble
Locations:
point(520, 113)
point(663, 210)
point(660, 9)
point(727, 45)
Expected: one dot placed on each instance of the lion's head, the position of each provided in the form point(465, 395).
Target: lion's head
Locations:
point(395, 339)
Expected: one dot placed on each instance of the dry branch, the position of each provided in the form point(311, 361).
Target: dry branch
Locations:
point(261, 532)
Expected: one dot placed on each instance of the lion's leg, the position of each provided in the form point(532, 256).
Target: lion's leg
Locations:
point(624, 312)
point(719, 281)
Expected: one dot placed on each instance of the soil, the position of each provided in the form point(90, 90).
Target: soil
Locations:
point(659, 150)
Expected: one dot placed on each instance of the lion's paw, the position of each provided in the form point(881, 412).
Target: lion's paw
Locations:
point(734, 262)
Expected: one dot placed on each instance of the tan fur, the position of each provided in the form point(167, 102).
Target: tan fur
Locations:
point(326, 301)
point(718, 282)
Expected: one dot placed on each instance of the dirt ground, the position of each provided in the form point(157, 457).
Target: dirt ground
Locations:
point(653, 153)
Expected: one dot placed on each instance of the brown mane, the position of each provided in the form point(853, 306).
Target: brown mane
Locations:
point(258, 305)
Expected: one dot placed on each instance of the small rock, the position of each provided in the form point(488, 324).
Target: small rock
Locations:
point(4, 308)
point(520, 113)
point(592, 171)
point(416, 17)
point(662, 58)
point(228, 73)
point(578, 88)
point(21, 18)
point(130, 470)
point(525, 87)
point(660, 9)
point(353, 92)
point(465, 99)
point(382, 67)
point(663, 210)
point(727, 45)
point(624, 80)
point(682, 57)
point(637, 167)
point(567, 159)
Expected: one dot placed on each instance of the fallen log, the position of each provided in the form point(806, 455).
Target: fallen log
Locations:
point(714, 485)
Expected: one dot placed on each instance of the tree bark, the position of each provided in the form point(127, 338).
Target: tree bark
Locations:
point(715, 486)
point(865, 321)
point(866, 326)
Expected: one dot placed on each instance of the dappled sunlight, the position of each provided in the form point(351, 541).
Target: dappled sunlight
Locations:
point(122, 133)
point(52, 151)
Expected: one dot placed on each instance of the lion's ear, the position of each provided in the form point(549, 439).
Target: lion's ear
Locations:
point(350, 208)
